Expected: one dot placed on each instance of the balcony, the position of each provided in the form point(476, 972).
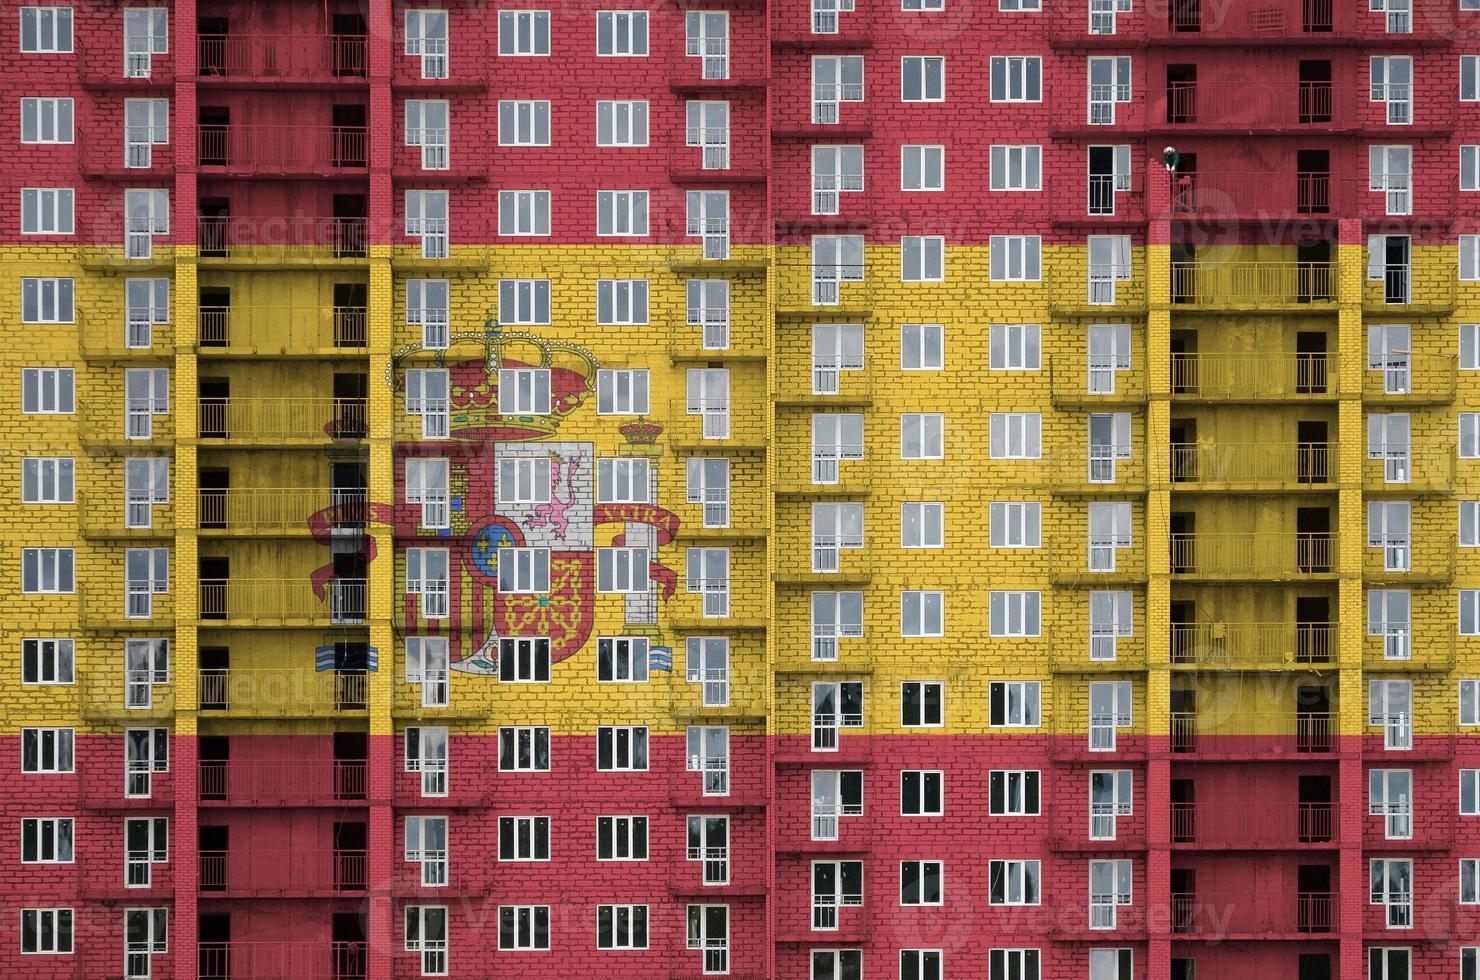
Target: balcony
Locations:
point(1425, 285)
point(1237, 646)
point(1276, 466)
point(282, 602)
point(1411, 379)
point(276, 59)
point(1252, 914)
point(1219, 287)
point(1103, 291)
point(1289, 734)
point(434, 697)
point(276, 242)
point(1243, 106)
point(1095, 470)
point(238, 693)
point(1080, 379)
point(1396, 649)
point(297, 873)
point(282, 330)
point(117, 339)
point(125, 696)
point(111, 609)
point(282, 960)
point(108, 517)
point(804, 290)
point(1253, 377)
point(1410, 468)
point(1407, 559)
point(278, 421)
point(1227, 826)
point(270, 783)
point(1074, 651)
point(282, 151)
point(279, 512)
point(103, 63)
point(1075, 561)
point(1253, 557)
point(1257, 196)
point(1102, 199)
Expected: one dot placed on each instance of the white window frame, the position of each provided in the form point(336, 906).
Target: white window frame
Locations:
point(1016, 613)
point(47, 29)
point(524, 213)
point(48, 299)
point(1016, 167)
point(922, 613)
point(622, 391)
point(49, 120)
point(48, 660)
point(1015, 258)
point(922, 78)
point(53, 749)
point(1020, 78)
point(626, 32)
point(922, 167)
point(524, 122)
point(48, 211)
point(48, 480)
point(1021, 882)
point(51, 839)
point(524, 33)
point(1015, 347)
point(922, 524)
point(1022, 704)
point(622, 214)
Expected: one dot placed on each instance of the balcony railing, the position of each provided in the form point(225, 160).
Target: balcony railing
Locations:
point(1253, 464)
point(280, 960)
point(1250, 195)
point(310, 782)
point(1208, 736)
point(1253, 376)
point(282, 57)
point(1266, 20)
point(1226, 825)
point(281, 149)
point(282, 330)
point(249, 871)
point(343, 600)
point(279, 239)
point(271, 511)
point(1414, 378)
point(1253, 285)
point(1080, 378)
point(1259, 556)
point(1409, 467)
point(283, 694)
point(1212, 915)
point(1244, 105)
point(282, 419)
point(822, 288)
point(1252, 644)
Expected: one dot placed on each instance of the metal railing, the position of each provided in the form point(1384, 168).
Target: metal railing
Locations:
point(271, 238)
point(1252, 823)
point(1256, 557)
point(282, 693)
point(1253, 376)
point(1252, 285)
point(281, 57)
point(277, 960)
point(283, 330)
point(1273, 644)
point(1211, 914)
point(1291, 732)
point(286, 872)
point(1252, 464)
point(269, 782)
point(282, 418)
point(283, 600)
point(1250, 194)
point(288, 149)
point(276, 509)
point(1245, 104)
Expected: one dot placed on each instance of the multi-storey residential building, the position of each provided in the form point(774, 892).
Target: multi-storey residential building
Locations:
point(947, 490)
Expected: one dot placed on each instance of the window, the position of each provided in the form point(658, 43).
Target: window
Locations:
point(1469, 881)
point(1014, 613)
point(1015, 524)
point(1014, 964)
point(621, 927)
point(427, 577)
point(709, 576)
point(707, 37)
point(524, 391)
point(426, 844)
point(835, 437)
point(523, 570)
point(1392, 887)
point(707, 217)
point(524, 660)
point(707, 751)
point(708, 396)
point(922, 525)
point(428, 306)
point(47, 301)
point(621, 748)
point(1109, 531)
point(708, 307)
point(46, 840)
point(524, 122)
point(47, 750)
point(1390, 707)
point(427, 218)
point(922, 5)
point(922, 347)
point(1469, 169)
point(920, 883)
point(922, 704)
point(1392, 83)
point(709, 843)
point(426, 753)
point(1013, 882)
point(709, 485)
point(1388, 528)
point(1469, 956)
point(427, 484)
point(146, 33)
point(524, 480)
point(836, 170)
point(523, 33)
point(1110, 617)
point(920, 793)
point(46, 211)
point(834, 884)
point(146, 842)
point(1014, 704)
point(622, 33)
point(1015, 258)
point(922, 258)
point(146, 574)
point(1113, 964)
point(426, 38)
point(47, 480)
point(1109, 86)
point(1469, 258)
point(46, 30)
point(46, 120)
point(426, 930)
point(1014, 347)
point(427, 666)
point(1469, 78)
point(836, 348)
point(834, 706)
point(922, 613)
point(622, 392)
point(524, 212)
point(835, 259)
point(1017, 168)
point(1013, 792)
point(47, 661)
point(835, 80)
point(1109, 441)
point(524, 302)
point(835, 794)
point(427, 125)
point(920, 964)
point(1014, 435)
point(1469, 435)
point(1108, 352)
point(923, 79)
point(46, 570)
point(146, 393)
point(1017, 78)
point(1469, 792)
point(1109, 888)
point(709, 930)
point(146, 662)
point(1390, 796)
point(1469, 612)
point(46, 931)
point(622, 480)
point(622, 570)
point(622, 213)
point(146, 214)
point(426, 395)
point(621, 123)
point(1469, 702)
point(843, 964)
point(922, 168)
point(622, 838)
point(835, 615)
point(146, 751)
point(1390, 171)
point(524, 838)
point(622, 659)
point(922, 436)
point(1389, 438)
point(621, 302)
point(523, 927)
